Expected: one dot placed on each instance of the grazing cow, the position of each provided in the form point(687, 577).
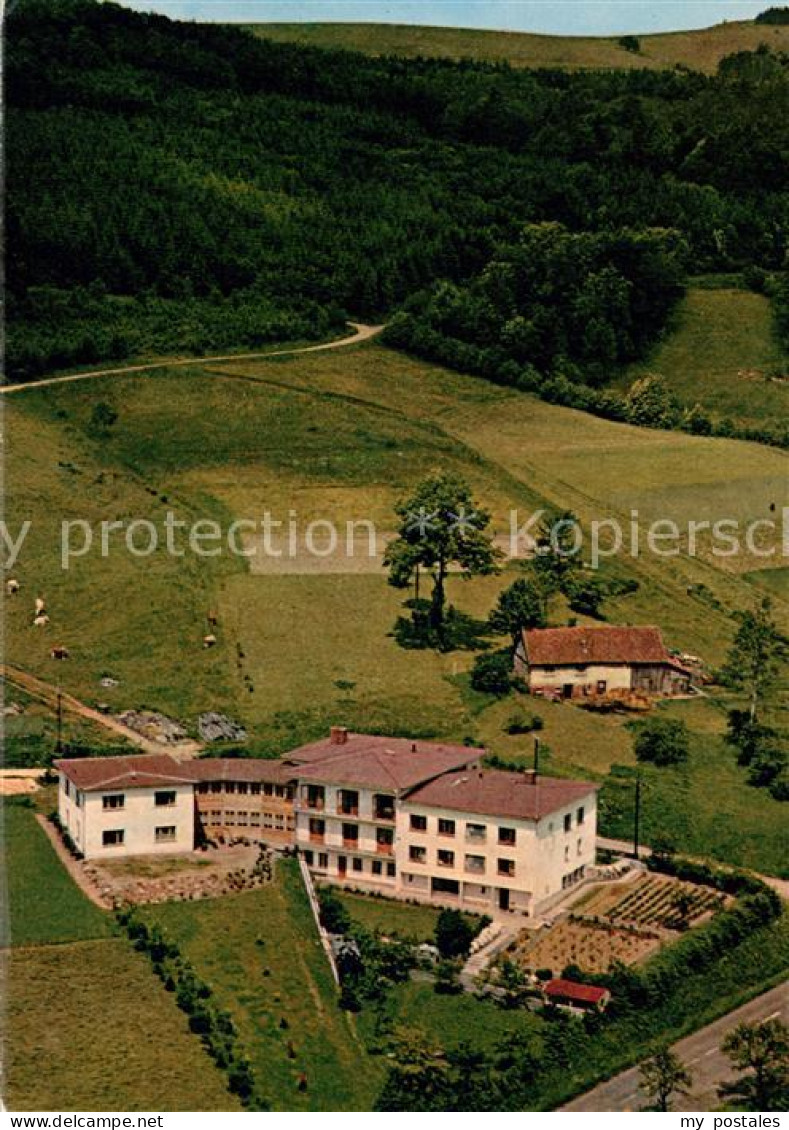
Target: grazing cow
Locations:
point(12, 586)
point(59, 653)
point(209, 640)
point(40, 605)
point(40, 620)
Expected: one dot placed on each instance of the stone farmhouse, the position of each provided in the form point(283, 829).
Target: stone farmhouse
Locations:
point(415, 820)
point(578, 662)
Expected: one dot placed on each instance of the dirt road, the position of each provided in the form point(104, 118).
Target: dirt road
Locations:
point(361, 333)
point(48, 694)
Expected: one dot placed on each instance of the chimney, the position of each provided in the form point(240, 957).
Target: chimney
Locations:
point(338, 735)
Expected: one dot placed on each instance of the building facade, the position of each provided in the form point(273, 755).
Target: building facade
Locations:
point(580, 662)
point(415, 820)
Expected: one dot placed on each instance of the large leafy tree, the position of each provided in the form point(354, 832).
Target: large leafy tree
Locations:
point(441, 527)
point(760, 1055)
point(755, 656)
point(520, 606)
point(664, 1075)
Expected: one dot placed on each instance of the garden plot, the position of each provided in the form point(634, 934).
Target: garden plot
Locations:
point(617, 925)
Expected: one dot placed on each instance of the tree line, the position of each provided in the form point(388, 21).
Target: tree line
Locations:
point(192, 186)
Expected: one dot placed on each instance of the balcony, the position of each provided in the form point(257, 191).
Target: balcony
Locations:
point(352, 845)
point(347, 809)
point(311, 804)
point(475, 869)
point(317, 838)
point(384, 849)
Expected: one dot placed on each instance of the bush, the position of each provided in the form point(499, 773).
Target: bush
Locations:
point(492, 673)
point(523, 722)
point(334, 917)
point(454, 934)
point(662, 741)
point(630, 43)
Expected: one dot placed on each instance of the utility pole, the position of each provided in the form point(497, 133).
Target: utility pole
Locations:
point(536, 756)
point(59, 742)
point(637, 817)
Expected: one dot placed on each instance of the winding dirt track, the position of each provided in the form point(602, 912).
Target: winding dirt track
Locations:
point(361, 333)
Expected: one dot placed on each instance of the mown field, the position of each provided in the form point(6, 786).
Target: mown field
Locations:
point(261, 954)
point(344, 436)
point(87, 1026)
point(724, 354)
point(700, 50)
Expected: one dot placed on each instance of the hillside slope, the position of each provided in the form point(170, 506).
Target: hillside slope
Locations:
point(700, 50)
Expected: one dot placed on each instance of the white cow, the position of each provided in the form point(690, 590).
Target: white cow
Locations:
point(40, 605)
point(12, 586)
point(41, 620)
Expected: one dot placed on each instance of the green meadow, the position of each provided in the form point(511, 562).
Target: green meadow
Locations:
point(343, 436)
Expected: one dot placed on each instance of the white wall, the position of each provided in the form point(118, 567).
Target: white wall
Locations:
point(139, 817)
point(616, 677)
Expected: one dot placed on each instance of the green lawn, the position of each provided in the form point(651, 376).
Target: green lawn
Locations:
point(400, 919)
point(705, 806)
point(294, 1004)
point(44, 904)
point(699, 50)
point(89, 1027)
point(722, 352)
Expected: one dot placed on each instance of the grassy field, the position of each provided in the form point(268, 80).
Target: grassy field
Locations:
point(44, 904)
point(30, 737)
point(698, 50)
point(88, 1027)
point(344, 436)
point(397, 919)
point(722, 353)
point(292, 1006)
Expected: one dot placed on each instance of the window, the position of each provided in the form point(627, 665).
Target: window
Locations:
point(350, 834)
point(475, 864)
point(446, 859)
point(579, 847)
point(254, 817)
point(417, 854)
point(446, 827)
point(507, 836)
point(356, 864)
point(216, 787)
point(113, 800)
point(323, 861)
point(78, 798)
point(566, 854)
point(390, 870)
point(164, 798)
point(230, 786)
point(255, 790)
point(114, 838)
point(476, 833)
point(384, 839)
point(243, 787)
point(68, 787)
point(418, 823)
point(165, 834)
point(568, 820)
point(579, 816)
point(383, 807)
point(506, 867)
point(308, 857)
point(268, 790)
point(280, 791)
point(314, 796)
point(203, 787)
point(377, 867)
point(348, 802)
point(317, 828)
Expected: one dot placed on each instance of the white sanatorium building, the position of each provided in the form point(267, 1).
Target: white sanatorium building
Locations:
point(416, 820)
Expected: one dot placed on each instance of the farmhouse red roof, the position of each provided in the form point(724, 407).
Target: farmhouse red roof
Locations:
point(574, 647)
point(141, 771)
point(372, 761)
point(493, 792)
point(575, 991)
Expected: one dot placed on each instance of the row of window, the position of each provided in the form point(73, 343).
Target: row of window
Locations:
point(358, 866)
point(266, 819)
point(162, 798)
point(383, 804)
point(474, 864)
point(115, 837)
point(384, 837)
point(243, 787)
point(477, 833)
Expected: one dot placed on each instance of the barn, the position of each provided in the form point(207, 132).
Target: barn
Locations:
point(578, 662)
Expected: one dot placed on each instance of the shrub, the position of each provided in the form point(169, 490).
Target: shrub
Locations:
point(630, 43)
point(662, 741)
point(454, 934)
point(492, 673)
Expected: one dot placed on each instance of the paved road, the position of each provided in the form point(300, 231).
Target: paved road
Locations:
point(700, 1053)
point(361, 333)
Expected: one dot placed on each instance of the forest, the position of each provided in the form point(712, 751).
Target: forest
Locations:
point(178, 187)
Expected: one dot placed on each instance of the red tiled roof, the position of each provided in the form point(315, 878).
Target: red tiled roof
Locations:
point(493, 792)
point(140, 771)
point(575, 991)
point(254, 769)
point(575, 647)
point(379, 762)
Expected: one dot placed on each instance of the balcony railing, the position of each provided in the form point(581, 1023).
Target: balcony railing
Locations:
point(384, 814)
point(385, 849)
point(352, 844)
point(476, 837)
point(347, 809)
point(317, 838)
point(315, 804)
point(474, 869)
